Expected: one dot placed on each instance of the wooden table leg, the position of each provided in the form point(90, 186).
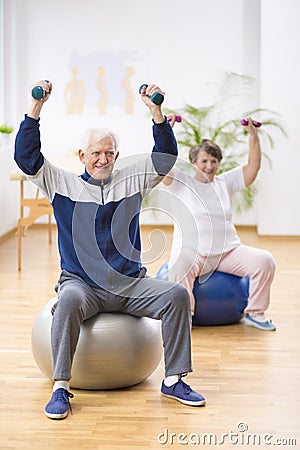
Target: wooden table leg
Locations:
point(20, 229)
point(37, 208)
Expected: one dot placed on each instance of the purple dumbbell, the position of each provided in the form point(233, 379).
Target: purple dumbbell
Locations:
point(245, 122)
point(177, 119)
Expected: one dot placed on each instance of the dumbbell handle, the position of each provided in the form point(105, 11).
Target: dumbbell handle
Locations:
point(156, 97)
point(245, 122)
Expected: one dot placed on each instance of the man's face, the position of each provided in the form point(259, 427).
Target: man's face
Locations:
point(99, 158)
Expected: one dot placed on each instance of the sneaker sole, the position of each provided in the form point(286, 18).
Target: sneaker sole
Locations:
point(56, 416)
point(185, 402)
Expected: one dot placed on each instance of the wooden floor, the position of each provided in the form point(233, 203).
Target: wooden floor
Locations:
point(251, 378)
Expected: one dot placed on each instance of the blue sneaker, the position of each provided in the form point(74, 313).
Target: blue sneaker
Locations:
point(183, 393)
point(59, 405)
point(267, 325)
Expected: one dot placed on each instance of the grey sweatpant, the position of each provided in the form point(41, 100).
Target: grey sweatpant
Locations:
point(78, 301)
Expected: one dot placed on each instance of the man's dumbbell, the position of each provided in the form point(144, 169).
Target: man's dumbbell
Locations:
point(38, 92)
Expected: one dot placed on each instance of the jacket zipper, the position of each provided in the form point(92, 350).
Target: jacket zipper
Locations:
point(104, 221)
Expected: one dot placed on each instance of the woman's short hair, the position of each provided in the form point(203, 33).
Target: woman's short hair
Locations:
point(207, 146)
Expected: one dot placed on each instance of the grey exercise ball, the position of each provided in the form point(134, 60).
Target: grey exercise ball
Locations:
point(114, 350)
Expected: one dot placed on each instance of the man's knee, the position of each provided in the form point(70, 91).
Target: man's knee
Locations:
point(70, 301)
point(180, 297)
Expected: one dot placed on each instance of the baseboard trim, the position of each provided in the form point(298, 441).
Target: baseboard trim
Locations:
point(149, 227)
point(35, 226)
point(7, 235)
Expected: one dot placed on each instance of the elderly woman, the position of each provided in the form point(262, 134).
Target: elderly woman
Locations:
point(205, 238)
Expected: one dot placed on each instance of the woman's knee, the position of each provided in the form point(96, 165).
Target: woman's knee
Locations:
point(184, 265)
point(268, 264)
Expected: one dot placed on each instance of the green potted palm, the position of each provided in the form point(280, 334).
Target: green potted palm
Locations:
point(5, 131)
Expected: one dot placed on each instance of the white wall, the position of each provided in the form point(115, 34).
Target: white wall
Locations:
point(9, 192)
point(278, 200)
point(181, 46)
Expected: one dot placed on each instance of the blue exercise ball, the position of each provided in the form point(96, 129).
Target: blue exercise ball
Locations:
point(163, 272)
point(220, 298)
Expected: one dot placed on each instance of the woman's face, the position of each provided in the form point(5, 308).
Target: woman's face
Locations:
point(207, 166)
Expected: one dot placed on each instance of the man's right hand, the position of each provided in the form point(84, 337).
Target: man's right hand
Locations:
point(36, 105)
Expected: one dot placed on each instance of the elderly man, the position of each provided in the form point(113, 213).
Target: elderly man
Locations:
point(97, 216)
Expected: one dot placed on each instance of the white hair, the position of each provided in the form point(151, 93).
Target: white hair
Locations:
point(98, 134)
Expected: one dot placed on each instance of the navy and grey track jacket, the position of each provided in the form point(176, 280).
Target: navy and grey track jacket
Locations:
point(98, 222)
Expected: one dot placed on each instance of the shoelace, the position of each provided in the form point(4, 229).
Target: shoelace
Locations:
point(64, 395)
point(187, 389)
